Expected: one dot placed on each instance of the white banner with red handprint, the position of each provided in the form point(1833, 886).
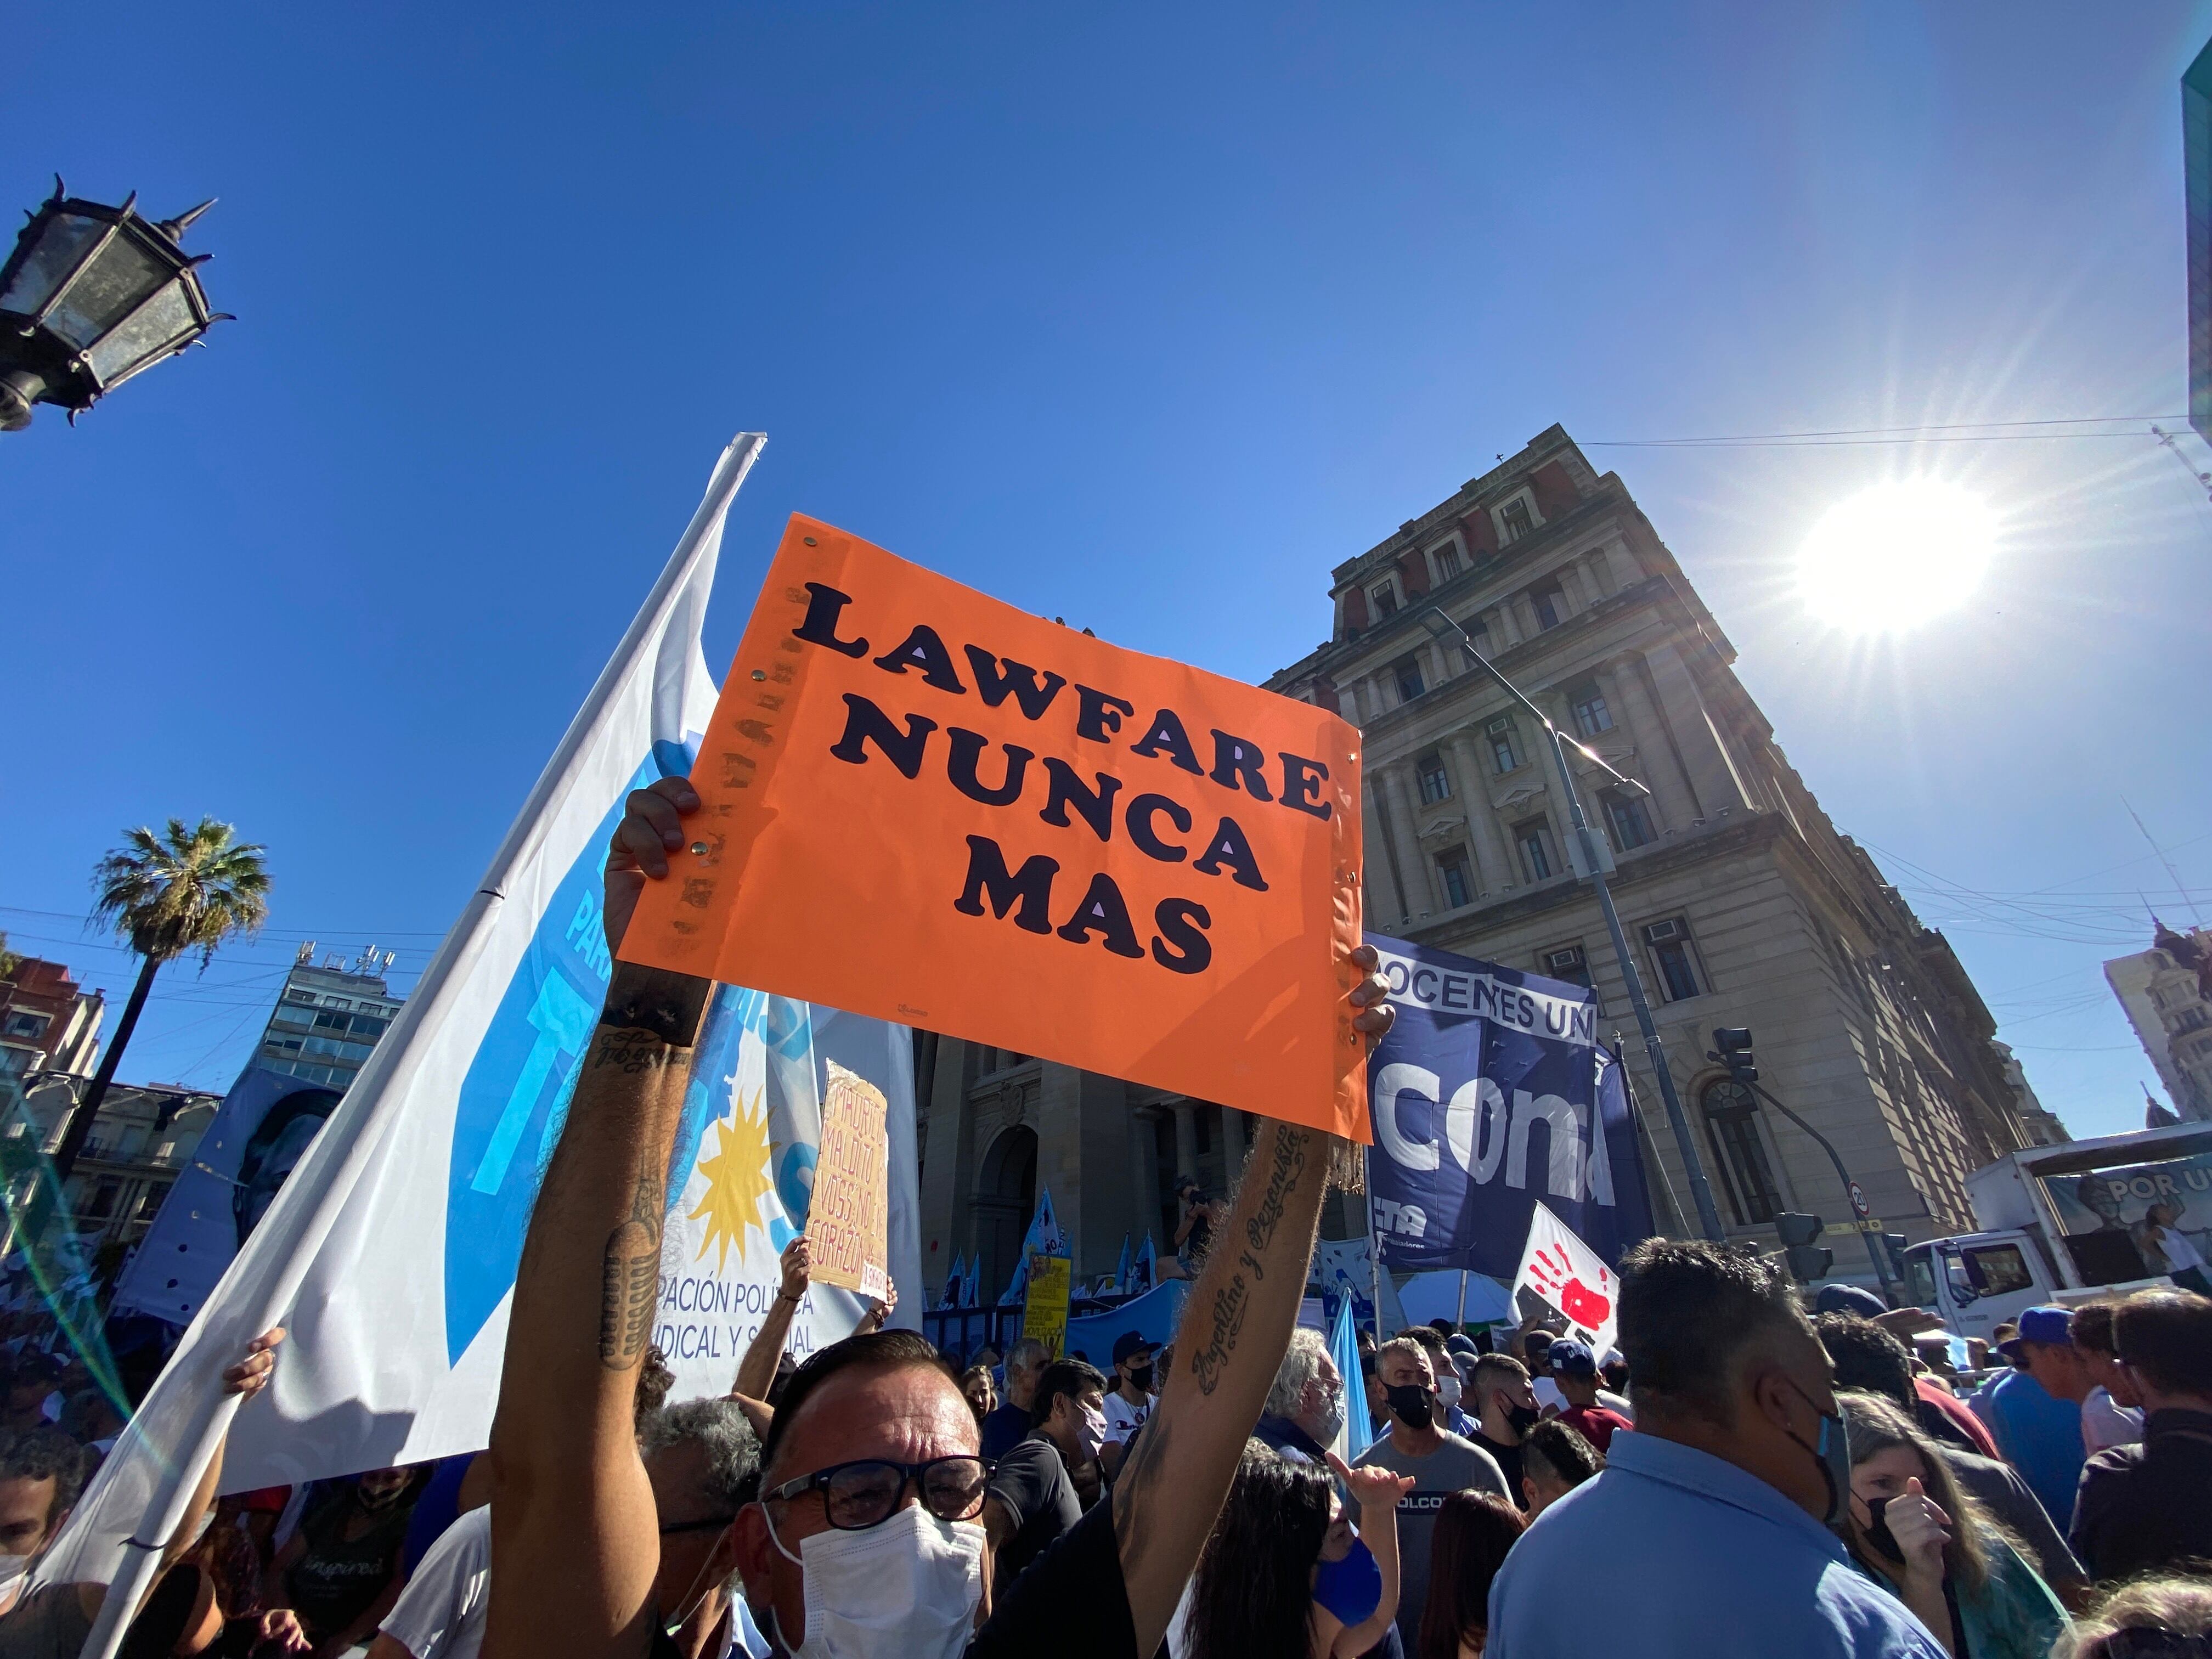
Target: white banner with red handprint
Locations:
point(1569, 1277)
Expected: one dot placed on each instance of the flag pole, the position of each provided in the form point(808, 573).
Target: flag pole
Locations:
point(1374, 1244)
point(352, 1135)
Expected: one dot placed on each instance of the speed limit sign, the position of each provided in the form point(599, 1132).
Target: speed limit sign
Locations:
point(1860, 1207)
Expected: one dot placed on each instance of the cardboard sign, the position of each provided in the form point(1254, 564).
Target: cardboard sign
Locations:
point(924, 805)
point(1044, 1310)
point(848, 1219)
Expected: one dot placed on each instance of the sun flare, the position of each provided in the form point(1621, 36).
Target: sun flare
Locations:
point(1895, 554)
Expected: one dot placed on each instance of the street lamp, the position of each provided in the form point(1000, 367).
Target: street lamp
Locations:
point(1592, 859)
point(91, 295)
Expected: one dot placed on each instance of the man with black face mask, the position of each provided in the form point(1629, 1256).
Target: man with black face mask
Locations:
point(1129, 1401)
point(1725, 1493)
point(1506, 1403)
point(1440, 1462)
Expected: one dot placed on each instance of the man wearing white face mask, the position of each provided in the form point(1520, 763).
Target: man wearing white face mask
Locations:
point(867, 1539)
point(1032, 1493)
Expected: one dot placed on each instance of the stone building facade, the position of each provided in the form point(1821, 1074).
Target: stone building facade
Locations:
point(1745, 905)
point(2167, 994)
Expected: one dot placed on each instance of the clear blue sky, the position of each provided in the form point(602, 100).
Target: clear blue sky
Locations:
point(1142, 319)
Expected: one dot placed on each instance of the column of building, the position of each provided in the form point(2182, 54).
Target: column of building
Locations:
point(1493, 860)
point(1712, 773)
point(1656, 761)
point(1413, 866)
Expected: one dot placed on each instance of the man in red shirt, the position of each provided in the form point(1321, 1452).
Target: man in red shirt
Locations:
point(1574, 1368)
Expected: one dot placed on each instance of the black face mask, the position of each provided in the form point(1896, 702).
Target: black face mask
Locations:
point(1410, 1402)
point(1140, 1378)
point(1521, 1418)
point(1878, 1533)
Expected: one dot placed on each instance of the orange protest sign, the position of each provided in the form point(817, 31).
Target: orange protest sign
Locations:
point(924, 805)
point(849, 1218)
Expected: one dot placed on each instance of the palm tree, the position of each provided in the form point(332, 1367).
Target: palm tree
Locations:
point(167, 894)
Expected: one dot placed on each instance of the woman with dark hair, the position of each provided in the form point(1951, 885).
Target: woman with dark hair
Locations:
point(1555, 1459)
point(1916, 1530)
point(1473, 1531)
point(1285, 1575)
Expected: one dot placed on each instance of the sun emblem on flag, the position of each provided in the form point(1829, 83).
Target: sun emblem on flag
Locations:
point(737, 1180)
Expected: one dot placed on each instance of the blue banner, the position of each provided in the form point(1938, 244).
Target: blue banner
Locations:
point(1485, 1094)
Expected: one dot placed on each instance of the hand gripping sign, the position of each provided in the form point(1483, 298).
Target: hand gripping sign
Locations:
point(923, 805)
point(1570, 1278)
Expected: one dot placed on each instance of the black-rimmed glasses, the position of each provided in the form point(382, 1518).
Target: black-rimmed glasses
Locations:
point(863, 1493)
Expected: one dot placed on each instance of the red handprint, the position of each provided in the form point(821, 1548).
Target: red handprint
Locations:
point(1555, 1276)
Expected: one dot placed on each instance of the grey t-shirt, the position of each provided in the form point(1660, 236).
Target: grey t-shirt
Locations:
point(1453, 1466)
point(47, 1623)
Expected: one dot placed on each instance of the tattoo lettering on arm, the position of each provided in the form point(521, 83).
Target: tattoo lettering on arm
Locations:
point(1291, 1147)
point(630, 1277)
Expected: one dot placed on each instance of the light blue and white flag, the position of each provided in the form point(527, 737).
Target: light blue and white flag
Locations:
point(971, 1293)
point(1357, 1432)
point(1147, 1269)
point(1121, 1269)
point(1044, 1238)
point(955, 1282)
point(390, 1252)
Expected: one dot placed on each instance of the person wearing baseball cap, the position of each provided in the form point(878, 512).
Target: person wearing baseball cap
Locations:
point(2035, 1411)
point(1129, 1401)
point(1574, 1368)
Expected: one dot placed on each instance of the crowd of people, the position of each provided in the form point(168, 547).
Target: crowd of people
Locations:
point(1741, 1474)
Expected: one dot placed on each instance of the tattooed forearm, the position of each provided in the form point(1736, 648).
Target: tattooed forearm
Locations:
point(631, 1276)
point(1233, 1301)
point(631, 1052)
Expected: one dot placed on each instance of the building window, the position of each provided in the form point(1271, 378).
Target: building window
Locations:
point(21, 1022)
point(1459, 887)
point(1549, 602)
point(1478, 639)
point(1535, 839)
point(1731, 1116)
point(103, 1198)
point(1436, 782)
point(1514, 520)
point(149, 1201)
point(1447, 558)
point(1502, 755)
point(1673, 959)
point(14, 1063)
point(1385, 598)
point(1405, 674)
point(1567, 963)
point(1591, 715)
point(1630, 823)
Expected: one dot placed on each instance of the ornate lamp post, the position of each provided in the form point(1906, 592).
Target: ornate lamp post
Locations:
point(91, 295)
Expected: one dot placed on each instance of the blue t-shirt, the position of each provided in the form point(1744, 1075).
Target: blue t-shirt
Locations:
point(2040, 1436)
point(1679, 1554)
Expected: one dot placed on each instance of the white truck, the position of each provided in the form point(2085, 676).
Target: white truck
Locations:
point(2067, 1224)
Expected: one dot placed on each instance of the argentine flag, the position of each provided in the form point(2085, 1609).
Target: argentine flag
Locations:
point(390, 1253)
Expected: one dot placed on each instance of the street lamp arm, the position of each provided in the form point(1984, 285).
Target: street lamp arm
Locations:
point(1450, 629)
point(1874, 1251)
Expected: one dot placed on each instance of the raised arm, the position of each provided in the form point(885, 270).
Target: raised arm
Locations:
point(1376, 1491)
point(1232, 1337)
point(564, 1459)
point(756, 1370)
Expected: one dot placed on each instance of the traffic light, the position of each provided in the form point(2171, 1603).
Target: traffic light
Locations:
point(1807, 1260)
point(1734, 1042)
point(1894, 1243)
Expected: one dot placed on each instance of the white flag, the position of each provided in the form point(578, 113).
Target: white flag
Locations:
point(390, 1251)
point(1572, 1277)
